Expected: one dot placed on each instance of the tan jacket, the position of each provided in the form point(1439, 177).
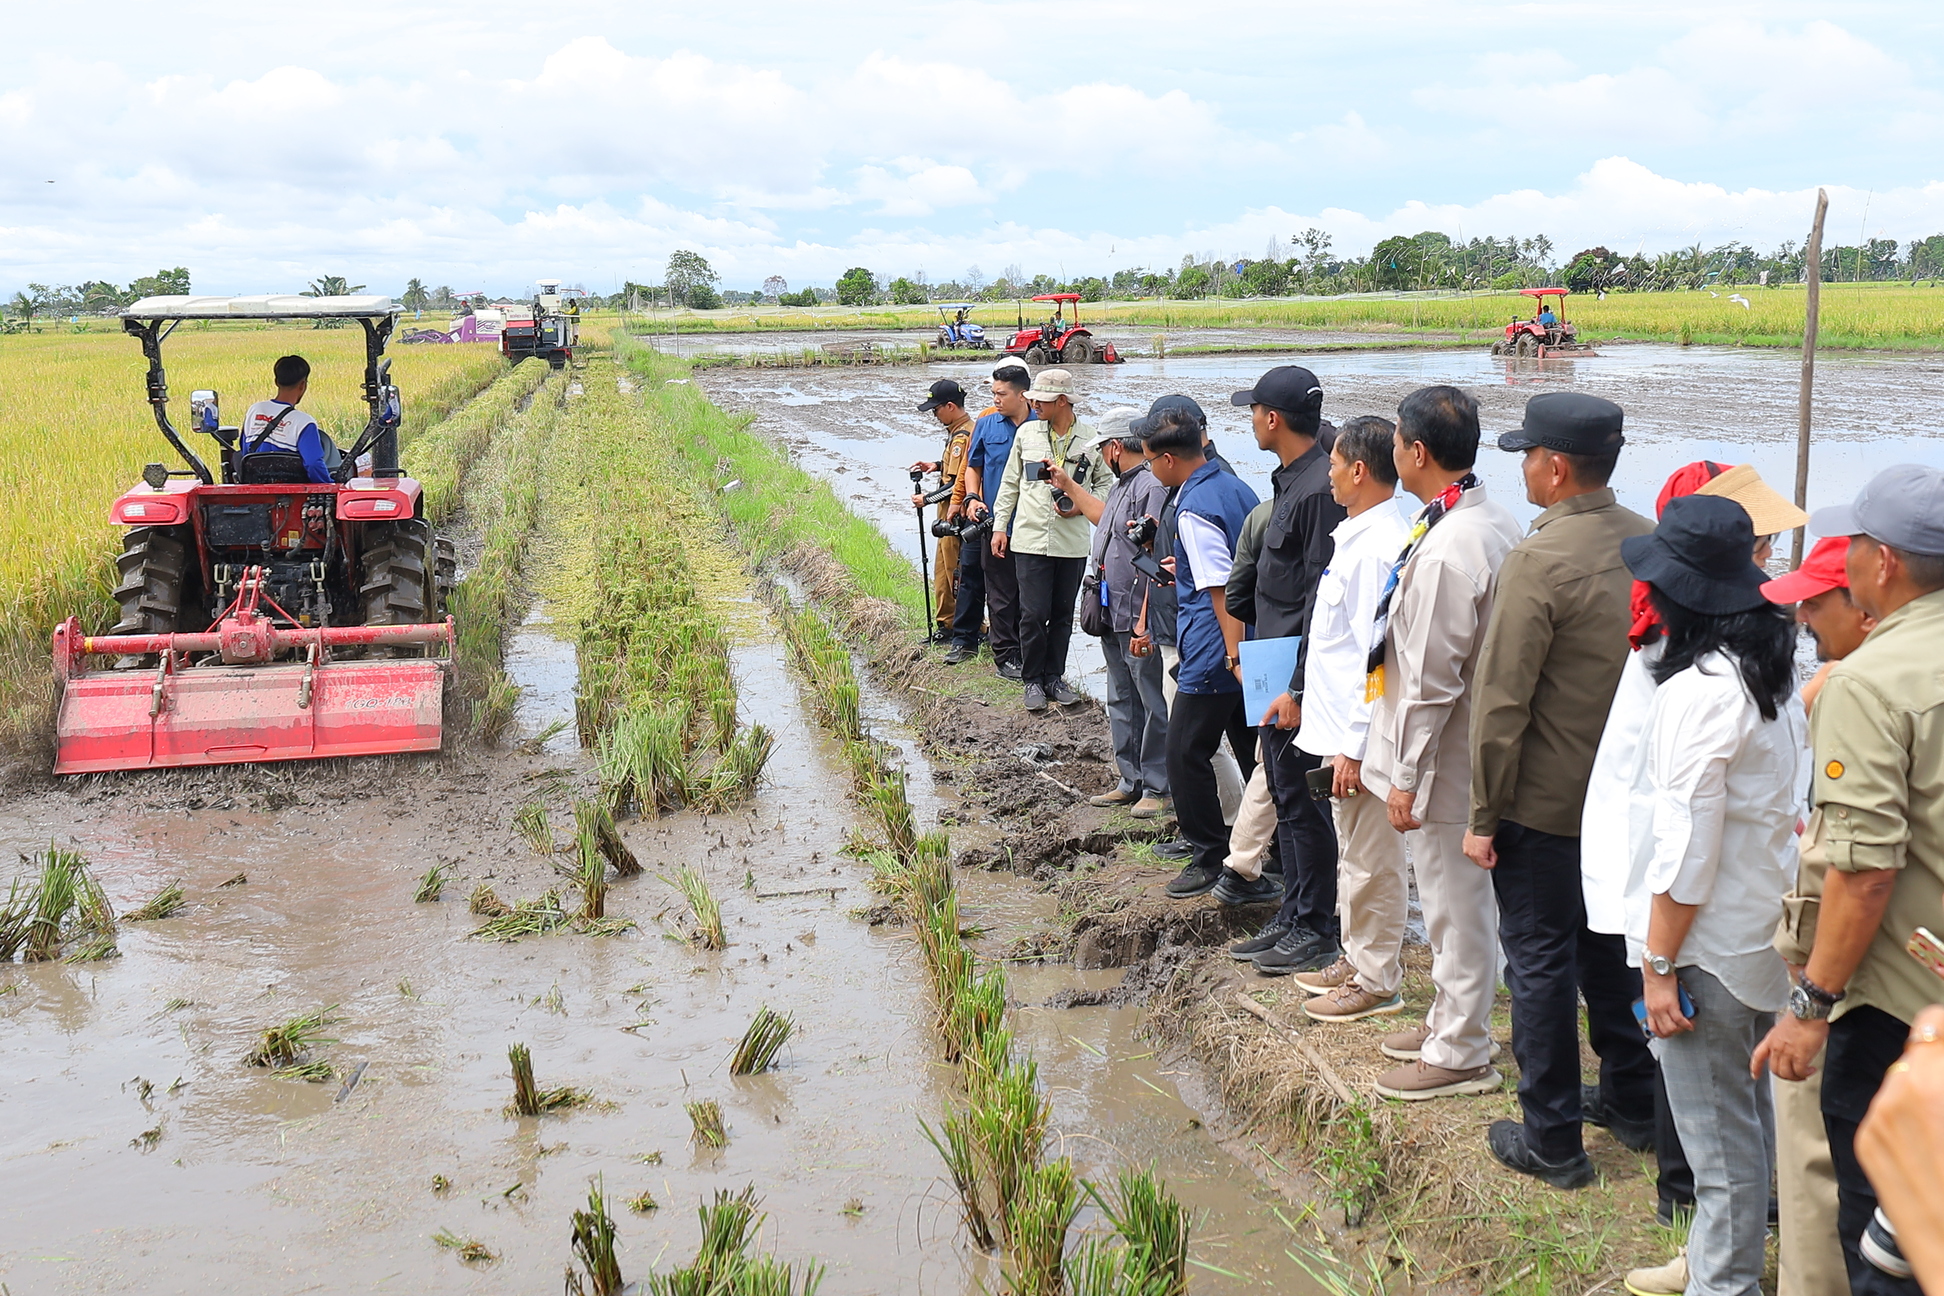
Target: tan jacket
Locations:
point(1420, 729)
point(951, 468)
point(1878, 734)
point(1549, 666)
point(1036, 527)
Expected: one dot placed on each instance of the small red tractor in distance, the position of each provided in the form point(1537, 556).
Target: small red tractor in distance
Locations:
point(1059, 340)
point(548, 329)
point(1535, 340)
point(263, 616)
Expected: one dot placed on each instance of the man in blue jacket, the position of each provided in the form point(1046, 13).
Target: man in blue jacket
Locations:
point(1210, 508)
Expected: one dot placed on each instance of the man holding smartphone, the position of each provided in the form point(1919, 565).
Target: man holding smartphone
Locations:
point(1877, 730)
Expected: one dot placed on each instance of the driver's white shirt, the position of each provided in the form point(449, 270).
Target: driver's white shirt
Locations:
point(287, 432)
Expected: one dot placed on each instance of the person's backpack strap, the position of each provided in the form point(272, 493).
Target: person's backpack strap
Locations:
point(268, 428)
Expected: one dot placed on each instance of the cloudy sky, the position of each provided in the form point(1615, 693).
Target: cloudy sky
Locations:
point(485, 144)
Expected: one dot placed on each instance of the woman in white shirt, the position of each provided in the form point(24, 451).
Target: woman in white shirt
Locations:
point(1727, 759)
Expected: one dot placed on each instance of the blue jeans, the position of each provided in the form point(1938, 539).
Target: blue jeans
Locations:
point(1137, 716)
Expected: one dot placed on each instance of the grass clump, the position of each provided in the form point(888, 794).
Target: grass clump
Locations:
point(166, 902)
point(288, 1043)
point(723, 1264)
point(531, 1100)
point(532, 824)
point(594, 821)
point(706, 1118)
point(1153, 1228)
point(432, 885)
point(767, 1033)
point(1037, 1219)
point(54, 898)
point(593, 1239)
point(703, 906)
point(471, 1250)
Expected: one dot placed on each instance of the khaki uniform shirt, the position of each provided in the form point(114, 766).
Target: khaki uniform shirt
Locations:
point(951, 468)
point(1550, 664)
point(1878, 734)
point(1420, 729)
point(1037, 528)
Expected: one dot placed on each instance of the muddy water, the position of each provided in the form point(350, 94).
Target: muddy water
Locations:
point(857, 428)
point(1129, 340)
point(256, 1182)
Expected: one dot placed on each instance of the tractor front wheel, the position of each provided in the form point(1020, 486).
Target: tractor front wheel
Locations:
point(158, 587)
point(1078, 352)
point(1498, 348)
point(1038, 355)
point(400, 585)
point(1528, 347)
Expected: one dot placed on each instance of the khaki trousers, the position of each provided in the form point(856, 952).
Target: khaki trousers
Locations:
point(1461, 919)
point(1255, 823)
point(945, 581)
point(1228, 774)
point(1373, 900)
point(1809, 1254)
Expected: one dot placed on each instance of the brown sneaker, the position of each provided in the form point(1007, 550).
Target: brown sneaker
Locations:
point(1418, 1081)
point(1151, 807)
point(1405, 1045)
point(1117, 797)
point(1324, 980)
point(1351, 1002)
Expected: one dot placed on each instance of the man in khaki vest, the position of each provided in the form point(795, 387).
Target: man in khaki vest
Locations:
point(946, 403)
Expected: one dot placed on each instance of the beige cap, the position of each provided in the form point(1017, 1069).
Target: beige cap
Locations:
point(1771, 514)
point(1051, 384)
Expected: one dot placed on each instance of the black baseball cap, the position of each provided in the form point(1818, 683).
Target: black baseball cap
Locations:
point(1291, 389)
point(1569, 422)
point(1144, 426)
point(945, 391)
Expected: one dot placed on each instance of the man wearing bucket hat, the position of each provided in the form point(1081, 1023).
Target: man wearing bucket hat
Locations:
point(1878, 731)
point(1726, 750)
point(1547, 670)
point(1046, 533)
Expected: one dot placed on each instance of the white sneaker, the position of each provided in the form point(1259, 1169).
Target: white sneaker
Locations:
point(1669, 1279)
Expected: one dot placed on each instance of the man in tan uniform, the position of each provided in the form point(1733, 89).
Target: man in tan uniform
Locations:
point(1878, 733)
point(946, 403)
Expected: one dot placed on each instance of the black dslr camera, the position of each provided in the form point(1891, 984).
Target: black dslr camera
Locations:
point(1062, 502)
point(1142, 530)
point(965, 528)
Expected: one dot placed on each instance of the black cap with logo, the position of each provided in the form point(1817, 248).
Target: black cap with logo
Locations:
point(1569, 422)
point(945, 391)
point(1290, 389)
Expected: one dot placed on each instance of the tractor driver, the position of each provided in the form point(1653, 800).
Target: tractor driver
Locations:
point(1546, 316)
point(278, 424)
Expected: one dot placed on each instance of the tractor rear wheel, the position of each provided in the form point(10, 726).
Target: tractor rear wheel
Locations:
point(445, 563)
point(1528, 347)
point(158, 587)
point(1078, 352)
point(400, 573)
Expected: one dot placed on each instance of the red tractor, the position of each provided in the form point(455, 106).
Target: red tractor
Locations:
point(1538, 337)
point(264, 616)
point(1059, 340)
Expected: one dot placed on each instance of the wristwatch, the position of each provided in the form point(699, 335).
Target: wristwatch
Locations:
point(1657, 964)
point(1809, 1001)
point(1230, 661)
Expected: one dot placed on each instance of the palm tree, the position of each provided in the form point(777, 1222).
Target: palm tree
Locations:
point(415, 297)
point(23, 308)
point(332, 286)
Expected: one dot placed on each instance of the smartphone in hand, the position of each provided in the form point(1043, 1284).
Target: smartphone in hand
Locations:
point(1640, 1010)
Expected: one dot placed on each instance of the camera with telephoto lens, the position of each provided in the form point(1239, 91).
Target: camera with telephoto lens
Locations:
point(1062, 502)
point(964, 528)
point(1142, 530)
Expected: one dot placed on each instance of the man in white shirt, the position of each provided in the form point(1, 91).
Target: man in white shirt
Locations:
point(278, 424)
point(1371, 895)
point(1434, 616)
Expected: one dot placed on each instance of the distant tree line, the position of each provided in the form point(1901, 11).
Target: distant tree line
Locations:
point(95, 297)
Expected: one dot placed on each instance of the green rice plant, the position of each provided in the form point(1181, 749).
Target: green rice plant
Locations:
point(953, 1139)
point(16, 916)
point(494, 713)
point(166, 902)
point(534, 917)
point(768, 1031)
point(599, 927)
point(593, 817)
point(931, 871)
point(471, 1250)
point(592, 1233)
point(643, 1202)
point(642, 760)
point(702, 905)
point(1154, 1227)
point(54, 898)
point(531, 822)
point(1007, 1123)
point(706, 1118)
point(978, 1009)
point(592, 872)
point(948, 963)
point(1037, 1217)
point(287, 1043)
point(723, 1265)
point(432, 885)
point(531, 1100)
point(886, 796)
point(537, 743)
point(92, 949)
point(309, 1072)
point(734, 777)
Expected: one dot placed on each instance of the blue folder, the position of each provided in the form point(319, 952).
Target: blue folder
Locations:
point(1267, 665)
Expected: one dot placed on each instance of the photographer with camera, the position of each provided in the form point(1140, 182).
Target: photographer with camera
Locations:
point(946, 403)
point(988, 590)
point(1116, 594)
point(1047, 534)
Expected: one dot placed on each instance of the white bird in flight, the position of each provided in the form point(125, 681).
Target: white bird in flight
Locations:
point(1739, 300)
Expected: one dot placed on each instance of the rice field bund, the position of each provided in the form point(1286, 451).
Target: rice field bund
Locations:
point(731, 943)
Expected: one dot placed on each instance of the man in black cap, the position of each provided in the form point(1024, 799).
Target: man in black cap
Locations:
point(946, 403)
point(1286, 411)
point(1547, 671)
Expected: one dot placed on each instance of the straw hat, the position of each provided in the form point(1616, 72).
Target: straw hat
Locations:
point(1771, 514)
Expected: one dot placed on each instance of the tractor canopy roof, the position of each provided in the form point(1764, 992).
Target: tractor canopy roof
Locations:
point(945, 306)
point(1059, 297)
point(272, 306)
point(1542, 292)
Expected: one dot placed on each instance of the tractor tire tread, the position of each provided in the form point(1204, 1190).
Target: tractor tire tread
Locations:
point(396, 579)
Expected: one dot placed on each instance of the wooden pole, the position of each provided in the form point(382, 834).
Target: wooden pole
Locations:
point(1813, 309)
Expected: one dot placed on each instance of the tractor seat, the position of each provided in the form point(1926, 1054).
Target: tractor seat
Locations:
point(273, 468)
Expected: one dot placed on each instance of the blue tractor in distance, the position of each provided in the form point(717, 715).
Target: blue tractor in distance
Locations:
point(957, 333)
